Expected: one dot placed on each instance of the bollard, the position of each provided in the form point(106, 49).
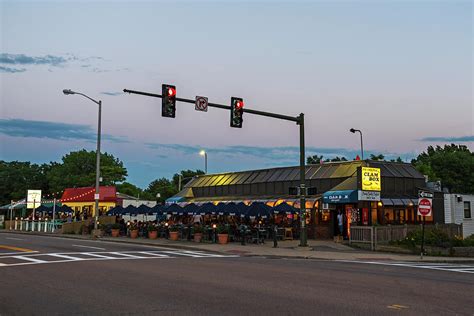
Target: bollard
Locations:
point(46, 226)
point(27, 225)
point(275, 241)
point(16, 224)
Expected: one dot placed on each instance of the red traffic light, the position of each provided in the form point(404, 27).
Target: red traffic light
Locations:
point(239, 104)
point(171, 92)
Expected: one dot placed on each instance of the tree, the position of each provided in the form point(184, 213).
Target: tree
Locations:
point(163, 186)
point(17, 177)
point(379, 157)
point(78, 169)
point(453, 165)
point(129, 189)
point(186, 176)
point(313, 160)
point(337, 158)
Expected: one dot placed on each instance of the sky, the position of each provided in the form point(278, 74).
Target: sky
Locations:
point(400, 71)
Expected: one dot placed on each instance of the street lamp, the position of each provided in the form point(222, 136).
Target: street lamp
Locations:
point(97, 170)
point(361, 144)
point(204, 153)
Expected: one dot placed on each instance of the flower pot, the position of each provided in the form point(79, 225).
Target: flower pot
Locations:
point(134, 233)
point(223, 238)
point(153, 234)
point(174, 235)
point(115, 232)
point(197, 237)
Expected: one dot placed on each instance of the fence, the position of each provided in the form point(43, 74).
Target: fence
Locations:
point(34, 226)
point(374, 235)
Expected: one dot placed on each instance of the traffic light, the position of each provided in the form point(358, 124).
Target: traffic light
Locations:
point(236, 112)
point(168, 100)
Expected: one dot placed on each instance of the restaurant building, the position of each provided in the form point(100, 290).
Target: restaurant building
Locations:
point(365, 192)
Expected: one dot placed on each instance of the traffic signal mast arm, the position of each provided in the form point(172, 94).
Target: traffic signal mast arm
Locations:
point(222, 106)
point(299, 120)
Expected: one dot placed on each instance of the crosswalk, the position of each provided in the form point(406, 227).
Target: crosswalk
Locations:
point(452, 267)
point(45, 258)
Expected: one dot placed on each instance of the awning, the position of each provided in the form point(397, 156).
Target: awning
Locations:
point(387, 202)
point(343, 196)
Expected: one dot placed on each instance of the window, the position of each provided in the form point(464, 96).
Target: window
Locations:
point(467, 209)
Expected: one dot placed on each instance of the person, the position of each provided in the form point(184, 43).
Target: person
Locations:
point(340, 222)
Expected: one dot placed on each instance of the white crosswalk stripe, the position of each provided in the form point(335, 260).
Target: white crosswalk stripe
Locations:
point(44, 258)
point(453, 267)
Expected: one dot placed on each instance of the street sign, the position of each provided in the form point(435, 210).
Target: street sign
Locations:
point(424, 206)
point(33, 199)
point(201, 104)
point(425, 194)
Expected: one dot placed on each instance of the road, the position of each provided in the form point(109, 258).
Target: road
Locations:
point(78, 277)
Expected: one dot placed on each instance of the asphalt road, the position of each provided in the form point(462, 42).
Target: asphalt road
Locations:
point(149, 280)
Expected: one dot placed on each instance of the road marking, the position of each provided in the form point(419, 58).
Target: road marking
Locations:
point(11, 238)
point(126, 255)
point(397, 307)
point(29, 259)
point(425, 265)
point(65, 257)
point(15, 248)
point(82, 246)
point(2, 254)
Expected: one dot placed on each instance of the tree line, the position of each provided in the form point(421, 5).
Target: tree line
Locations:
point(453, 165)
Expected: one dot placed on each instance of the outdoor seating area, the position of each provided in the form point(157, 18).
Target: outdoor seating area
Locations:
point(225, 222)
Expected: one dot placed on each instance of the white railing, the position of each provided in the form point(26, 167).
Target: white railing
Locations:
point(362, 234)
point(34, 226)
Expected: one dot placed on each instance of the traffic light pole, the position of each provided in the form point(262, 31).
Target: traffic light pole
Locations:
point(299, 120)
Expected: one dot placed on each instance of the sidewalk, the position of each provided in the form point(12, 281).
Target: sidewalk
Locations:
point(318, 249)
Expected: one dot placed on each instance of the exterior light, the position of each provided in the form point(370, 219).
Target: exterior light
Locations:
point(214, 226)
point(68, 91)
point(380, 204)
point(16, 218)
point(166, 224)
point(202, 152)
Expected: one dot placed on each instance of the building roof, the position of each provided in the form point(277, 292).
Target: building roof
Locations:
point(86, 194)
point(328, 170)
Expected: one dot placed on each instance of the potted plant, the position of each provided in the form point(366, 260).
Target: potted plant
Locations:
point(115, 229)
point(152, 231)
point(133, 228)
point(223, 234)
point(174, 232)
point(197, 232)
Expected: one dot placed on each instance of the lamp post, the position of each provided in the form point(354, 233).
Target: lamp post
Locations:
point(204, 153)
point(361, 143)
point(97, 170)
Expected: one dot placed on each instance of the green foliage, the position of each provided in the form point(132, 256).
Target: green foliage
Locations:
point(197, 229)
point(174, 228)
point(379, 157)
point(163, 186)
point(129, 189)
point(435, 237)
point(317, 159)
point(186, 176)
point(78, 170)
point(222, 229)
point(17, 177)
point(152, 227)
point(115, 226)
point(452, 164)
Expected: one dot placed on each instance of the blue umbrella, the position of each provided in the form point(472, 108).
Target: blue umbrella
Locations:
point(258, 209)
point(206, 208)
point(284, 208)
point(116, 210)
point(143, 209)
point(188, 209)
point(173, 209)
point(228, 209)
point(131, 210)
point(157, 209)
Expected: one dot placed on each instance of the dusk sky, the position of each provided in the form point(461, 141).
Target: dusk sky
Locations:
point(401, 71)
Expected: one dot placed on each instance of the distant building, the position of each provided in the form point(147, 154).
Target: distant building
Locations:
point(125, 200)
point(82, 201)
point(458, 210)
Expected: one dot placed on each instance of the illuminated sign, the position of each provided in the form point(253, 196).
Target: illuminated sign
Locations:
point(371, 180)
point(33, 199)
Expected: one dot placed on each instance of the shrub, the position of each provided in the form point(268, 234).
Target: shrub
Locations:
point(222, 229)
point(197, 229)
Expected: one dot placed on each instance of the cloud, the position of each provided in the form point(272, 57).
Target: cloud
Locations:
point(448, 139)
point(112, 93)
point(11, 70)
point(52, 130)
point(21, 59)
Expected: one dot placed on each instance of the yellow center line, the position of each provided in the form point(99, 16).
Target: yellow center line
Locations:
point(15, 248)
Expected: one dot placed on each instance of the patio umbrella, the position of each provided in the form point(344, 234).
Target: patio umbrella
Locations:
point(258, 209)
point(284, 208)
point(157, 209)
point(228, 209)
point(131, 210)
point(188, 209)
point(172, 209)
point(206, 208)
point(65, 209)
point(143, 209)
point(45, 209)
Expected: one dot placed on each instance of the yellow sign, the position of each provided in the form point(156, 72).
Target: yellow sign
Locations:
point(371, 180)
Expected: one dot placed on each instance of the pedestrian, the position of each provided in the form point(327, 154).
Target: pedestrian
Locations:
point(340, 222)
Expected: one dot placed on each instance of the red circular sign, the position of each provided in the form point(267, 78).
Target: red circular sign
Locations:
point(424, 207)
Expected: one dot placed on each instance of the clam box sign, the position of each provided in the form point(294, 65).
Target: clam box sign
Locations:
point(371, 179)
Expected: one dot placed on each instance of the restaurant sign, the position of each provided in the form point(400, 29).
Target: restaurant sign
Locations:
point(371, 180)
point(368, 195)
point(343, 196)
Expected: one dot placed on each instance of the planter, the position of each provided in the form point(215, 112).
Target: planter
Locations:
point(174, 236)
point(223, 238)
point(197, 237)
point(153, 234)
point(134, 233)
point(115, 232)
